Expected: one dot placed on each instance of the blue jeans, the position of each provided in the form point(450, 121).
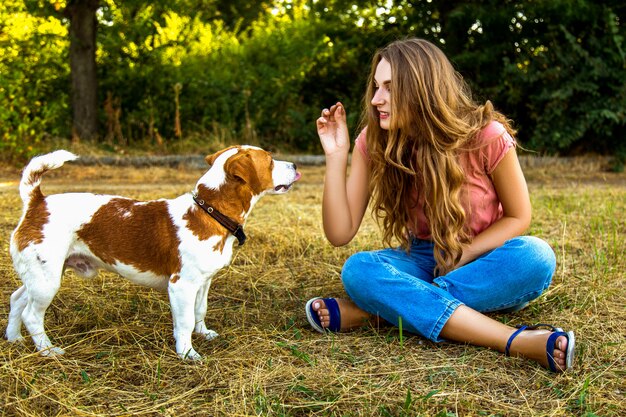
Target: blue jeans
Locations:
point(391, 283)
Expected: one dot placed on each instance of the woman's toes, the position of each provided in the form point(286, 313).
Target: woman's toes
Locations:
point(561, 344)
point(560, 364)
point(560, 347)
point(557, 355)
point(559, 352)
point(324, 317)
point(319, 307)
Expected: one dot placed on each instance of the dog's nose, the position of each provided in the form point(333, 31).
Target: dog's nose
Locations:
point(295, 167)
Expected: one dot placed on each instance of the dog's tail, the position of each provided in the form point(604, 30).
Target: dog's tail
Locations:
point(31, 177)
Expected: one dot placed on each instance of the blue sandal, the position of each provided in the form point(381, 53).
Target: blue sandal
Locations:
point(556, 333)
point(333, 309)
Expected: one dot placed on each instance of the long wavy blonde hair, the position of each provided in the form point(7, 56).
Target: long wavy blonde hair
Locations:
point(433, 119)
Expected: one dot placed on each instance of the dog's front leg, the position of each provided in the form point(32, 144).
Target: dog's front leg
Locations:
point(200, 312)
point(182, 294)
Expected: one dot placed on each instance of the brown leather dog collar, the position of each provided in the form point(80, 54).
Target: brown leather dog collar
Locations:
point(232, 226)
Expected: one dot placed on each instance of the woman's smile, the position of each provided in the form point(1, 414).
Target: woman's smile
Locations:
point(382, 96)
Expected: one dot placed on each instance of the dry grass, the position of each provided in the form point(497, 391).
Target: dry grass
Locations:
point(118, 337)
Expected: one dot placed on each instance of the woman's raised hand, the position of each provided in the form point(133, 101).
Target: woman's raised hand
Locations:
point(332, 129)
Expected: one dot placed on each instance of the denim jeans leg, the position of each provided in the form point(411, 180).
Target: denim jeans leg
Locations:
point(392, 284)
point(508, 276)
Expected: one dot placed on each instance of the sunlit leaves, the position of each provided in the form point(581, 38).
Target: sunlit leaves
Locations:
point(33, 67)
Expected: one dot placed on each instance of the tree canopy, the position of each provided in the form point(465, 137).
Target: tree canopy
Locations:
point(260, 71)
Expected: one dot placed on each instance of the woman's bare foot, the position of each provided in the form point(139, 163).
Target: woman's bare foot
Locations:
point(531, 344)
point(351, 316)
point(469, 326)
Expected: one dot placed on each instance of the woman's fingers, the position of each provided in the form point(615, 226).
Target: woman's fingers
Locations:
point(338, 112)
point(335, 110)
point(331, 120)
point(321, 126)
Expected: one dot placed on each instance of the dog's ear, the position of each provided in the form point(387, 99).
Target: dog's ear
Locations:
point(241, 167)
point(210, 159)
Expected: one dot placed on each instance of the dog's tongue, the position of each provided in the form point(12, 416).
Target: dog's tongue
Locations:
point(287, 186)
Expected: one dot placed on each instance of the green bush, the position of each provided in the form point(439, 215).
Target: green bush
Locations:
point(34, 80)
point(574, 92)
point(557, 67)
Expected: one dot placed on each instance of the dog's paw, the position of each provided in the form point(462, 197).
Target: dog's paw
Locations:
point(210, 335)
point(14, 338)
point(190, 355)
point(51, 352)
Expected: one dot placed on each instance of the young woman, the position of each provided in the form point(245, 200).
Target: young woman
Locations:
point(444, 180)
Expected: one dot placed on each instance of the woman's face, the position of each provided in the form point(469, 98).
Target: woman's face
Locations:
point(382, 94)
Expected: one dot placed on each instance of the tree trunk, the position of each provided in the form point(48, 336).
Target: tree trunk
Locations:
point(84, 89)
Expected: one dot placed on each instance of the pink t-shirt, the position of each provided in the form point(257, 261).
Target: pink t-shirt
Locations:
point(486, 152)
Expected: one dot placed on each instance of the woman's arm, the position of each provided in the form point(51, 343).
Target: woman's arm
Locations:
point(344, 199)
point(512, 191)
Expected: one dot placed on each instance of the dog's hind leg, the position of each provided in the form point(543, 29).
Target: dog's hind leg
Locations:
point(19, 299)
point(200, 312)
point(42, 284)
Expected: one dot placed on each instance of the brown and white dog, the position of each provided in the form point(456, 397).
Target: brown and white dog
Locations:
point(176, 245)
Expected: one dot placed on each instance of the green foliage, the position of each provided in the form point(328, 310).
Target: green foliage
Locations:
point(557, 67)
point(573, 83)
point(259, 72)
point(254, 88)
point(33, 80)
point(250, 85)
